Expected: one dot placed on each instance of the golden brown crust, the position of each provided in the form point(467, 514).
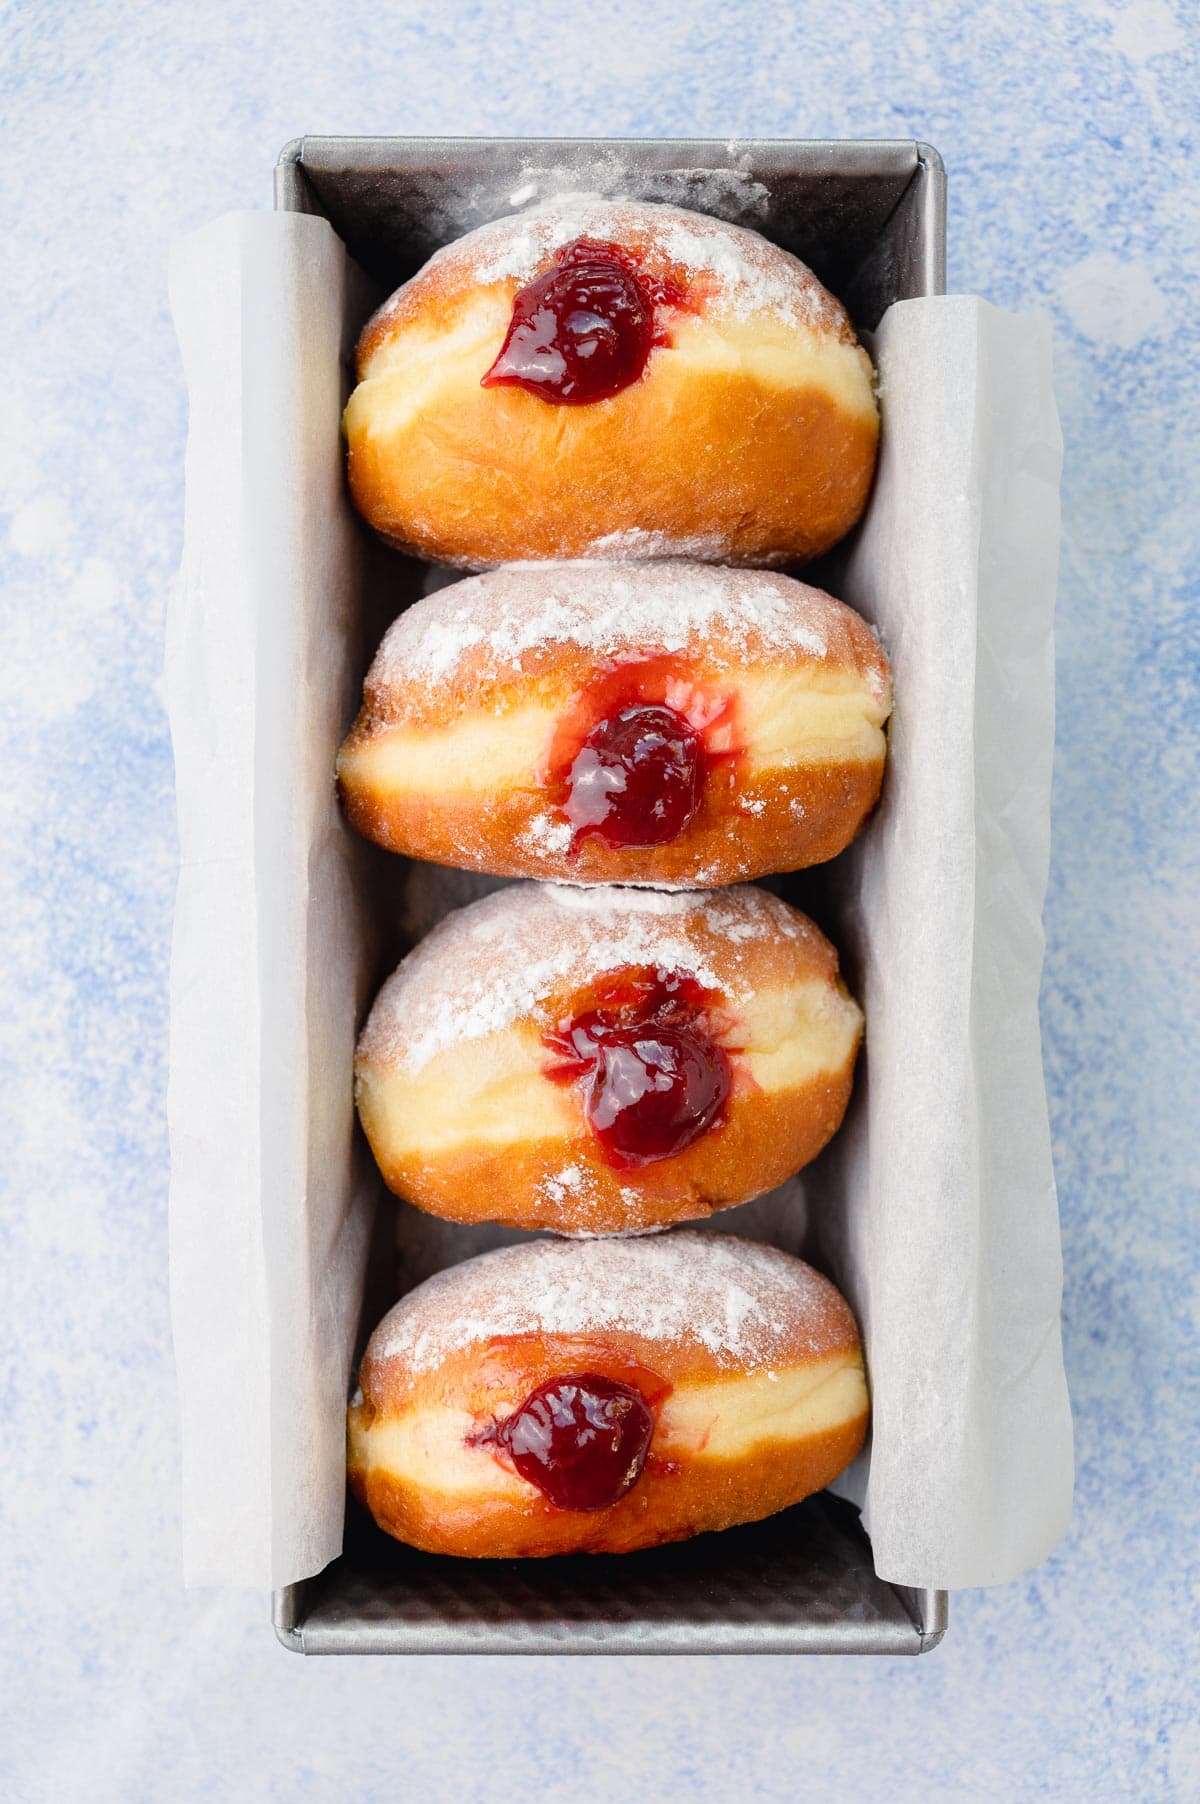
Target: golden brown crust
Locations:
point(764, 1139)
point(797, 820)
point(710, 454)
point(748, 1419)
point(731, 469)
point(665, 1505)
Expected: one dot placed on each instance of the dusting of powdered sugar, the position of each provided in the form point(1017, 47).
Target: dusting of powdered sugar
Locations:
point(742, 271)
point(582, 898)
point(584, 1199)
point(501, 959)
point(562, 1184)
point(634, 542)
point(617, 611)
point(544, 834)
point(746, 1304)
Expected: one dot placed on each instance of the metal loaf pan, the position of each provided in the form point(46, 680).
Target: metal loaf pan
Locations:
point(869, 218)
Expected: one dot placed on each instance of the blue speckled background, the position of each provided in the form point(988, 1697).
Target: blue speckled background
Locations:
point(1070, 135)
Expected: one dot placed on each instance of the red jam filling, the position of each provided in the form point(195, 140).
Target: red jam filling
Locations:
point(652, 1075)
point(582, 1440)
point(584, 329)
point(631, 759)
point(636, 779)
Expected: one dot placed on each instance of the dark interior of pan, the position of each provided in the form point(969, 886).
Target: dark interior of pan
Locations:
point(869, 218)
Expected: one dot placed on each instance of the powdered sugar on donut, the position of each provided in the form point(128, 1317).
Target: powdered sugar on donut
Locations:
point(622, 611)
point(746, 274)
point(545, 834)
point(737, 272)
point(637, 542)
point(584, 1202)
point(500, 960)
point(749, 1306)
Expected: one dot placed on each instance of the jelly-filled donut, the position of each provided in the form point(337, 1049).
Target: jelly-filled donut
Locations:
point(598, 1061)
point(600, 378)
point(634, 723)
point(600, 1396)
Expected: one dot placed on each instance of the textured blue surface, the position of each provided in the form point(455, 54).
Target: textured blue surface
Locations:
point(1070, 136)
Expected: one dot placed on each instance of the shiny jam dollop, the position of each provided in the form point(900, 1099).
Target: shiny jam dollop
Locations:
point(582, 1439)
point(584, 329)
point(637, 777)
point(635, 750)
point(652, 1075)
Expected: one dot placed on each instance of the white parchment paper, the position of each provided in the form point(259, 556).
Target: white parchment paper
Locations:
point(942, 1218)
point(935, 1209)
point(270, 1203)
